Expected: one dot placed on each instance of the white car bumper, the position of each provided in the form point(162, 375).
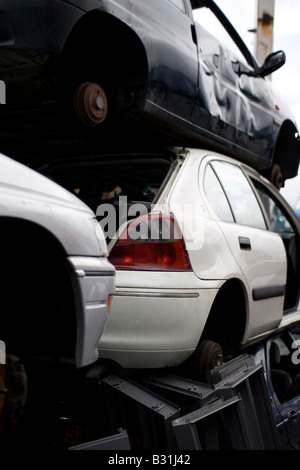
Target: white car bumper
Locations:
point(93, 283)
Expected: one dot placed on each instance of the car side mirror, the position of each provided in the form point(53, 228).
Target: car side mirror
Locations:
point(272, 62)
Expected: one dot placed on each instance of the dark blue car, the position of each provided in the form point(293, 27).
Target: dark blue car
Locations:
point(280, 356)
point(82, 76)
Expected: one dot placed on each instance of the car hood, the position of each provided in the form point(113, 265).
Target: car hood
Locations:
point(15, 175)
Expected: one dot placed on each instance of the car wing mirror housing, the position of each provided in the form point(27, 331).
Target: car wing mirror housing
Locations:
point(272, 62)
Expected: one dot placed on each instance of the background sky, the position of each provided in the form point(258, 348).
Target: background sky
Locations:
point(286, 36)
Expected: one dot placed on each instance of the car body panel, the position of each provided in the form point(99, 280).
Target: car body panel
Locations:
point(263, 265)
point(237, 105)
point(185, 201)
point(26, 23)
point(36, 198)
point(149, 334)
point(95, 281)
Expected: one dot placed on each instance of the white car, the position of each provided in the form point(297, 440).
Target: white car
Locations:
point(229, 280)
point(56, 280)
point(206, 253)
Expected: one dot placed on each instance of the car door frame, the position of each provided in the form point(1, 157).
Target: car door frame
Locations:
point(287, 212)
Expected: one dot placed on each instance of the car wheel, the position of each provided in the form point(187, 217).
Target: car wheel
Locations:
point(208, 356)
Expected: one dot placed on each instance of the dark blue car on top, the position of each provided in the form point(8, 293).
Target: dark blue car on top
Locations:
point(82, 75)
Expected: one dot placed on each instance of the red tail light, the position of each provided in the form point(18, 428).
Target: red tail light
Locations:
point(151, 243)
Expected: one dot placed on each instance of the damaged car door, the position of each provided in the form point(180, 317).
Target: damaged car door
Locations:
point(173, 62)
point(234, 101)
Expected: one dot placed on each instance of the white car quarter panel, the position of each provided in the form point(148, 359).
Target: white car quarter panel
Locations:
point(153, 280)
point(159, 323)
point(163, 324)
point(208, 250)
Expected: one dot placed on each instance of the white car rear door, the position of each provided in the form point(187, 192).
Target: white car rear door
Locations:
point(259, 253)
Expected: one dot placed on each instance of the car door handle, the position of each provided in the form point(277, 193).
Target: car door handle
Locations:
point(245, 243)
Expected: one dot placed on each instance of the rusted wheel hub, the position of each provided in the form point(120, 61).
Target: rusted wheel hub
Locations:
point(209, 356)
point(277, 176)
point(90, 104)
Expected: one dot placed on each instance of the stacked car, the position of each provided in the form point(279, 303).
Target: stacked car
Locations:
point(161, 148)
point(177, 85)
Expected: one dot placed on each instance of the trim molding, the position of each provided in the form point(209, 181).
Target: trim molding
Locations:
point(261, 293)
point(157, 294)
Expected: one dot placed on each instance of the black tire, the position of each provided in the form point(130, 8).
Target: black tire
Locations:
point(208, 356)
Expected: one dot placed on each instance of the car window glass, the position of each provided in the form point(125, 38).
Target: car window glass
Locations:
point(207, 20)
point(215, 195)
point(278, 221)
point(242, 200)
point(179, 4)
